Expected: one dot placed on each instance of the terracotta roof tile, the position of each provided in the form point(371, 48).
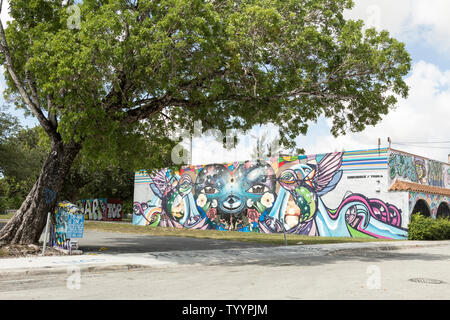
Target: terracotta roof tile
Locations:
point(399, 185)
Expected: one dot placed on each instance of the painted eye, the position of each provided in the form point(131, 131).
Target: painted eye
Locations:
point(258, 189)
point(288, 177)
point(210, 190)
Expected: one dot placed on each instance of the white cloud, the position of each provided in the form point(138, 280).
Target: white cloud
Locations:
point(207, 150)
point(420, 21)
point(423, 117)
point(382, 14)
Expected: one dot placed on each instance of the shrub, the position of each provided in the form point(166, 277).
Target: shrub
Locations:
point(424, 228)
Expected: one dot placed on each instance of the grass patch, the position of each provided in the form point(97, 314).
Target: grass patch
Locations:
point(6, 216)
point(275, 239)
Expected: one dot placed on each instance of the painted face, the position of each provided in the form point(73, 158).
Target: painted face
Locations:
point(175, 203)
point(236, 197)
point(298, 183)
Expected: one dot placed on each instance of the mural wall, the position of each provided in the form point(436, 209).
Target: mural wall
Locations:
point(419, 170)
point(335, 194)
point(101, 209)
point(433, 201)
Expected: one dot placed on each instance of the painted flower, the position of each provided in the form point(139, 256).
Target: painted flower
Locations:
point(253, 215)
point(267, 199)
point(201, 200)
point(212, 213)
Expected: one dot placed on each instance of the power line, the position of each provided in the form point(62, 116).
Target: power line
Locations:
point(428, 142)
point(411, 145)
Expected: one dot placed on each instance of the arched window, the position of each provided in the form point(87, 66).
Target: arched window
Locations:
point(443, 211)
point(422, 207)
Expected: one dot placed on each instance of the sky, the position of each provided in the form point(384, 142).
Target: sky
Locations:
point(418, 124)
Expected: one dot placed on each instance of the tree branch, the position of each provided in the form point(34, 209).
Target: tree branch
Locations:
point(34, 106)
point(153, 106)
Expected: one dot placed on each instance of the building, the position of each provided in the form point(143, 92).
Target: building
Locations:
point(363, 193)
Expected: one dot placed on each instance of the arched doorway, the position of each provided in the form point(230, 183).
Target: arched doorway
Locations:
point(443, 211)
point(422, 207)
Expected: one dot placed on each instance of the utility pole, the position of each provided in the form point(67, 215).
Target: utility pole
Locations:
point(190, 152)
point(379, 145)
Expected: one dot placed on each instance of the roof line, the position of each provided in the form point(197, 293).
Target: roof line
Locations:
point(416, 155)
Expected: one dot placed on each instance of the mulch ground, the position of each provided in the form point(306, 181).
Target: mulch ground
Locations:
point(28, 250)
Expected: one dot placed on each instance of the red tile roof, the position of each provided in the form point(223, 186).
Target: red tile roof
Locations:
point(399, 185)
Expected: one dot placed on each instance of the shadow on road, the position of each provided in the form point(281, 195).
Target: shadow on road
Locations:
point(145, 243)
point(370, 256)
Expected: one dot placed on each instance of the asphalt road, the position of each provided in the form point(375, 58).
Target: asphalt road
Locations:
point(128, 243)
point(349, 276)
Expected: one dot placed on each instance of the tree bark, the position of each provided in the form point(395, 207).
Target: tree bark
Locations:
point(27, 224)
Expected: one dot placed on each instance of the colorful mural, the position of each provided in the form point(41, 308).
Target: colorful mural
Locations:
point(60, 227)
point(101, 209)
point(267, 196)
point(433, 201)
point(418, 170)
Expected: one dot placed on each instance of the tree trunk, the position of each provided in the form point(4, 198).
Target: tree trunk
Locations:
point(27, 224)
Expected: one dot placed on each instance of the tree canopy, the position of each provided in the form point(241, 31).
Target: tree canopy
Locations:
point(232, 64)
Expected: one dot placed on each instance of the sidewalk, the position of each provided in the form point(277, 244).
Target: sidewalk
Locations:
point(48, 265)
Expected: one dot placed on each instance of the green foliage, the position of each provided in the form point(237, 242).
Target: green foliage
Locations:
point(88, 180)
point(8, 127)
point(231, 64)
point(424, 228)
point(20, 161)
point(22, 157)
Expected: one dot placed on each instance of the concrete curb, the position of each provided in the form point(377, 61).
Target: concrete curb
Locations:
point(14, 273)
point(389, 247)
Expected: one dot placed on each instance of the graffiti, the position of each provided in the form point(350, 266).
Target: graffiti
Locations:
point(114, 209)
point(268, 197)
point(404, 166)
point(435, 174)
point(50, 195)
point(416, 169)
point(101, 209)
point(61, 229)
point(356, 215)
point(234, 198)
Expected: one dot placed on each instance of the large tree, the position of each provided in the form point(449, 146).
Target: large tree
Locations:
point(119, 82)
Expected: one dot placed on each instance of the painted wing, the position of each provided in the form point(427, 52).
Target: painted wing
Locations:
point(328, 174)
point(160, 184)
